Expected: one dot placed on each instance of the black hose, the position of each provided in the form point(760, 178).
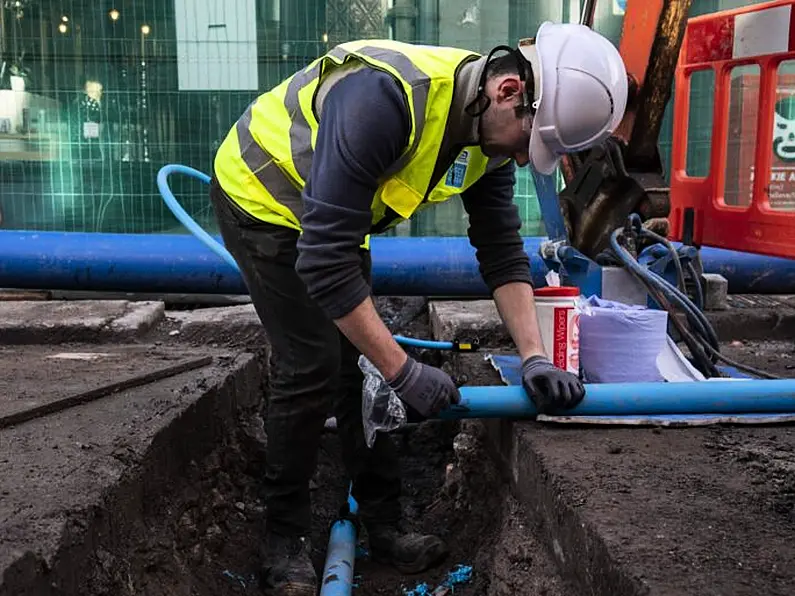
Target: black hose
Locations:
point(699, 288)
point(680, 274)
point(702, 360)
point(704, 344)
point(695, 317)
point(694, 314)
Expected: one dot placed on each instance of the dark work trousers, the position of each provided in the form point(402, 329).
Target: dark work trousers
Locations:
point(313, 371)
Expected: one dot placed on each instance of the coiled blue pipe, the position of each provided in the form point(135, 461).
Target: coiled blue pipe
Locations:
point(182, 215)
point(637, 399)
point(220, 250)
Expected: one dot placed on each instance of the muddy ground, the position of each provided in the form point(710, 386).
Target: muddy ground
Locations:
point(201, 537)
point(686, 511)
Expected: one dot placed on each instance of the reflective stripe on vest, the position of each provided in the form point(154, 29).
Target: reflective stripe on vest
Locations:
point(262, 165)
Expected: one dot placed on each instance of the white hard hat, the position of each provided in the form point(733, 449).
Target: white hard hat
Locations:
point(580, 91)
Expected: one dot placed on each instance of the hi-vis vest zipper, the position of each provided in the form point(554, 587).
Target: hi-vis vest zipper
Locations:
point(266, 157)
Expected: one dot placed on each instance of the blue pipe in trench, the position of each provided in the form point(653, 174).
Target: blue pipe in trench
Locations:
point(337, 579)
point(637, 399)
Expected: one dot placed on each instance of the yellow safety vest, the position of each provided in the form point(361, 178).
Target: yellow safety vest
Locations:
point(265, 159)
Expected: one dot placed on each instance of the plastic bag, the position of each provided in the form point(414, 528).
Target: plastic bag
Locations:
point(382, 409)
point(620, 343)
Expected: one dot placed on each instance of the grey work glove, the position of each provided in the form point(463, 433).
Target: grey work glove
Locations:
point(426, 389)
point(550, 387)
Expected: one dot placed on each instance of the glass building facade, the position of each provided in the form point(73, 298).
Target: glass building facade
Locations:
point(97, 95)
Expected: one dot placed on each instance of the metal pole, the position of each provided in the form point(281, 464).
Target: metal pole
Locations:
point(587, 14)
point(405, 14)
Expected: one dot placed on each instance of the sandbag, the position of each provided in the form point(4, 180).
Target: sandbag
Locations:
point(619, 343)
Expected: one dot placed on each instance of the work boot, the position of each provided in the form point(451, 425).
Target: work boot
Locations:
point(408, 552)
point(287, 568)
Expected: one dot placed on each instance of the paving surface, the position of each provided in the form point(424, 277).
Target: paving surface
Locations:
point(707, 511)
point(49, 379)
point(63, 321)
point(73, 479)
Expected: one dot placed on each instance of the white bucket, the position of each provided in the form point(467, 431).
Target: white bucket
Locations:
point(559, 322)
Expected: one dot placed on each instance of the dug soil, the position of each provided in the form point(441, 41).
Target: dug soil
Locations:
point(201, 538)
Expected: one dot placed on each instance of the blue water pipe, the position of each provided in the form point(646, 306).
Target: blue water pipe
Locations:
point(402, 266)
point(636, 399)
point(337, 578)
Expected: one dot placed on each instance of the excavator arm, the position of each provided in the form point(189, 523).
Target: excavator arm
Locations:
point(605, 185)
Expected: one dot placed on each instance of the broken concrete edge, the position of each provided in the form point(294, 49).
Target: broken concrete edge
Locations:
point(237, 325)
point(190, 436)
point(48, 322)
point(479, 319)
point(139, 319)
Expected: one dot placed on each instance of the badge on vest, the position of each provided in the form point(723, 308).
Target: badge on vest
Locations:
point(457, 172)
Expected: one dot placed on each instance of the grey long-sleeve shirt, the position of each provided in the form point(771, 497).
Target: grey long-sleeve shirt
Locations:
point(363, 129)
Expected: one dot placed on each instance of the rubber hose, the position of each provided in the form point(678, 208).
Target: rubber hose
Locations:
point(655, 289)
point(690, 309)
point(691, 271)
point(695, 316)
point(651, 280)
point(626, 258)
point(680, 274)
point(694, 343)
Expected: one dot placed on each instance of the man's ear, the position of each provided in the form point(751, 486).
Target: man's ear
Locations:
point(509, 88)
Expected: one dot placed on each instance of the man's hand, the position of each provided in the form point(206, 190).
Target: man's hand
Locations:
point(425, 388)
point(550, 387)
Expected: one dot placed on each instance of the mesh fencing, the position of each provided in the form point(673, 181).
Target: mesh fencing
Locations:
point(115, 89)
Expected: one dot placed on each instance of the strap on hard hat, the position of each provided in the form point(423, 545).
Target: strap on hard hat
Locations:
point(522, 67)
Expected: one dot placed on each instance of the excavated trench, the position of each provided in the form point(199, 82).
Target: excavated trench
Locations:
point(200, 536)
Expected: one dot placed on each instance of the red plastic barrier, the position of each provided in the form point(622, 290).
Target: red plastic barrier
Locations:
point(750, 51)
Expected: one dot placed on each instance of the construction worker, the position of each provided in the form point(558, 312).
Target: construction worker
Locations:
point(361, 139)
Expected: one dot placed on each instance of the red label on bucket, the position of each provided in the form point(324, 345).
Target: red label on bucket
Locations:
point(560, 349)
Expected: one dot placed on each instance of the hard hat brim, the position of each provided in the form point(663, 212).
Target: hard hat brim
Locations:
point(542, 159)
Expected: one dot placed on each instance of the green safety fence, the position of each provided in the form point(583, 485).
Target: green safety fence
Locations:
point(96, 96)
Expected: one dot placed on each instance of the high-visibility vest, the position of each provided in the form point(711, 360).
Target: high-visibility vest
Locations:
point(266, 158)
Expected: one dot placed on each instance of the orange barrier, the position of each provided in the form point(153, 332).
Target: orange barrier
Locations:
point(746, 199)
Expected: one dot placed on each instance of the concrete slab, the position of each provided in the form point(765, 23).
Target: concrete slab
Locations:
point(652, 512)
point(78, 478)
point(36, 322)
point(226, 325)
point(49, 379)
point(745, 317)
point(468, 320)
